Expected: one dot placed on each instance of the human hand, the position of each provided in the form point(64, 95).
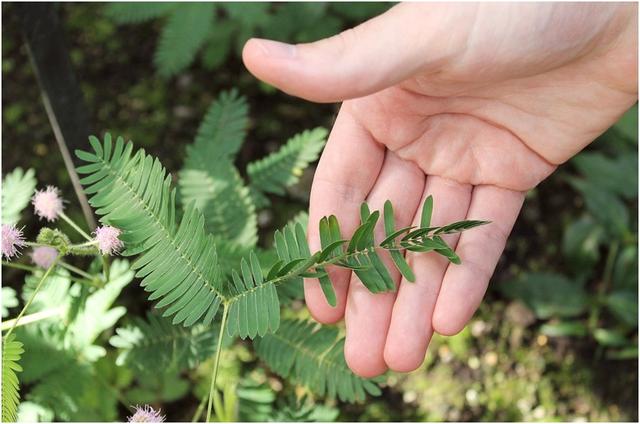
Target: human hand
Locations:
point(473, 104)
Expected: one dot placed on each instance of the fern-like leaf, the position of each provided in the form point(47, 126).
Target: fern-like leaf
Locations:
point(17, 189)
point(183, 35)
point(283, 168)
point(313, 357)
point(11, 352)
point(209, 178)
point(155, 344)
point(131, 13)
point(178, 262)
point(226, 203)
point(221, 133)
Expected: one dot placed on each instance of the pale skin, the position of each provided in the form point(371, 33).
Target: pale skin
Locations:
point(474, 104)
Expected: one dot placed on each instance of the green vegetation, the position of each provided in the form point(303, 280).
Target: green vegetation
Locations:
point(555, 339)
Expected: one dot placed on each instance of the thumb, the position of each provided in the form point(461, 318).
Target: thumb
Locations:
point(360, 61)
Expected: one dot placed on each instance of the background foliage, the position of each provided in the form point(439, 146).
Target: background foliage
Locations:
point(556, 337)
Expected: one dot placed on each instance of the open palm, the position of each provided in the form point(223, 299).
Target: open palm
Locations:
point(472, 104)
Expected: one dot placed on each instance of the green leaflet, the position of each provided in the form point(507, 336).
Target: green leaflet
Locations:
point(11, 352)
point(314, 358)
point(17, 189)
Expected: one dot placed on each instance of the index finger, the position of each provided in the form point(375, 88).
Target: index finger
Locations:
point(347, 170)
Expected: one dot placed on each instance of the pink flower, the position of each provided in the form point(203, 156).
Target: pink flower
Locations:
point(12, 239)
point(43, 256)
point(108, 241)
point(47, 203)
point(146, 415)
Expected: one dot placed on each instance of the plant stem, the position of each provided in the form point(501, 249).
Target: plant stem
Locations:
point(75, 226)
point(34, 269)
point(31, 318)
point(85, 244)
point(34, 244)
point(76, 270)
point(214, 376)
point(33, 295)
point(199, 410)
point(105, 267)
point(603, 287)
point(19, 266)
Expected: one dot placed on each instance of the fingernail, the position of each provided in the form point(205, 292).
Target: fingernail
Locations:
point(276, 49)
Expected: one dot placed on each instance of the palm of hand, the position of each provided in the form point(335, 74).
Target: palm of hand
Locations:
point(477, 152)
point(481, 122)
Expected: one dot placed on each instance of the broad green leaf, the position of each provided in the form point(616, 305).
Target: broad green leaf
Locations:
point(623, 304)
point(610, 338)
point(581, 244)
point(547, 295)
point(605, 206)
point(564, 329)
point(619, 175)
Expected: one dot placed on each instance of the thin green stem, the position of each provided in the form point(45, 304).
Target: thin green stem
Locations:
point(85, 244)
point(76, 270)
point(105, 267)
point(19, 266)
point(34, 269)
point(214, 375)
point(33, 295)
point(34, 244)
point(31, 318)
point(199, 410)
point(603, 287)
point(75, 226)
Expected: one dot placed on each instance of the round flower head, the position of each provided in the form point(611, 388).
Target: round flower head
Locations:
point(108, 241)
point(146, 415)
point(43, 256)
point(47, 203)
point(12, 239)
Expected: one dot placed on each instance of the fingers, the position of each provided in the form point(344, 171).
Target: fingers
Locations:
point(368, 315)
point(410, 330)
point(479, 249)
point(346, 172)
point(370, 57)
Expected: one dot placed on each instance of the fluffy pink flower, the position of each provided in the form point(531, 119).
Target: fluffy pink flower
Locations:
point(47, 203)
point(146, 415)
point(12, 239)
point(43, 256)
point(108, 241)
